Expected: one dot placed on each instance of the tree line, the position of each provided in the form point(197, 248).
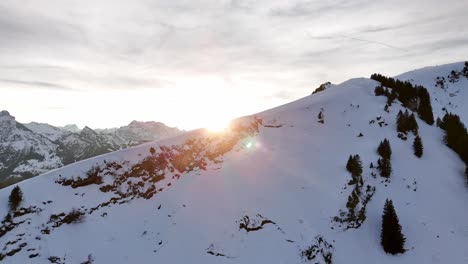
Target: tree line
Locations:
point(414, 97)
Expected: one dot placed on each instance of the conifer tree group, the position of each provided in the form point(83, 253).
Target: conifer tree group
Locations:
point(391, 236)
point(456, 135)
point(406, 122)
point(418, 147)
point(385, 167)
point(464, 72)
point(15, 199)
point(354, 166)
point(384, 149)
point(424, 107)
point(413, 97)
point(384, 164)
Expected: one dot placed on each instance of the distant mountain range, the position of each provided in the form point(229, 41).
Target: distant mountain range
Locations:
point(27, 150)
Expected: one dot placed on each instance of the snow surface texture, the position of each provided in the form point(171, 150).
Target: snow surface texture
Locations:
point(448, 93)
point(259, 193)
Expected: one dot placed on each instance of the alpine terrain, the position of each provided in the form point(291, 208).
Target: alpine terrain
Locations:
point(27, 150)
point(372, 170)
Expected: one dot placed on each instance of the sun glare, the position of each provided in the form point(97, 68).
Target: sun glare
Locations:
point(217, 125)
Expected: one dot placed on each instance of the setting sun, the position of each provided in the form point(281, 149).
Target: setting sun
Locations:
point(217, 125)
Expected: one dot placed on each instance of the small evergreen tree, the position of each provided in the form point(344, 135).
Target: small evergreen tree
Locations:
point(152, 151)
point(385, 167)
point(15, 199)
point(413, 124)
point(466, 174)
point(357, 165)
point(464, 72)
point(418, 147)
point(401, 125)
point(384, 149)
point(406, 122)
point(391, 237)
point(425, 108)
point(354, 166)
point(349, 164)
point(379, 90)
point(353, 200)
point(320, 115)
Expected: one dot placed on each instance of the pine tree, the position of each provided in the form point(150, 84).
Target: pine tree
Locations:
point(353, 200)
point(413, 124)
point(379, 90)
point(391, 237)
point(354, 166)
point(418, 147)
point(357, 166)
point(406, 122)
point(152, 151)
point(349, 164)
point(384, 149)
point(466, 174)
point(15, 199)
point(385, 167)
point(425, 107)
point(400, 122)
point(464, 72)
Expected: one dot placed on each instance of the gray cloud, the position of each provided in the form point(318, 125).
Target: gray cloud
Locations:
point(32, 84)
point(285, 48)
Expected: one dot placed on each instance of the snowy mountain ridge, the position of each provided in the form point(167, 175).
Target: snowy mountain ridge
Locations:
point(274, 188)
point(30, 149)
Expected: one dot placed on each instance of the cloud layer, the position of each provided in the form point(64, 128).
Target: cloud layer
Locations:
point(267, 52)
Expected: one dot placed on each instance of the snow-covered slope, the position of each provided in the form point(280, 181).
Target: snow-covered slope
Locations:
point(260, 192)
point(447, 85)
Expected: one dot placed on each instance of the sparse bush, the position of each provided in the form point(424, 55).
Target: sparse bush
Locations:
point(89, 261)
point(321, 117)
point(15, 199)
point(74, 216)
point(391, 237)
point(321, 88)
point(320, 252)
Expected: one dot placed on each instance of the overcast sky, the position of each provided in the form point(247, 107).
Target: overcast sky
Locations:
point(104, 63)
